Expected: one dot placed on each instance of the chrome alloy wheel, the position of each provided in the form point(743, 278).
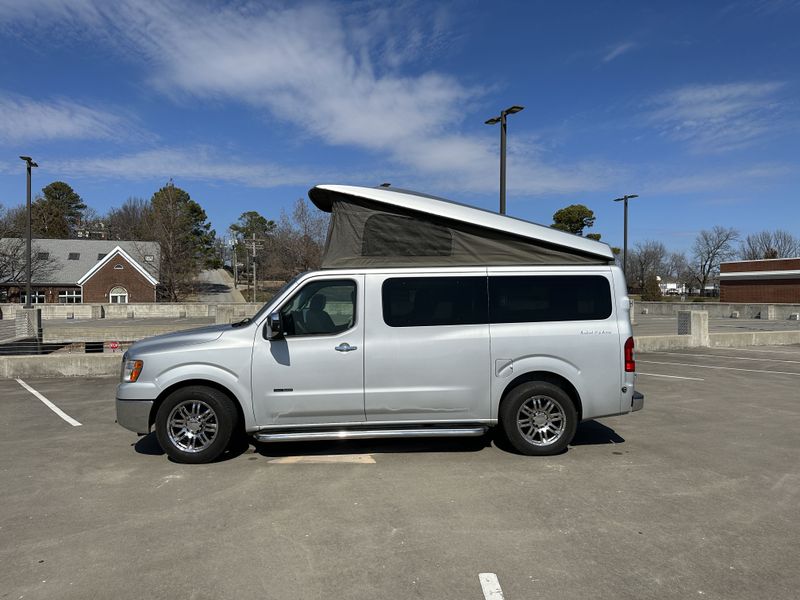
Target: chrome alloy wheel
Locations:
point(541, 421)
point(192, 426)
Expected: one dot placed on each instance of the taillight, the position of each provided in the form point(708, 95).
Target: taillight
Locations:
point(630, 364)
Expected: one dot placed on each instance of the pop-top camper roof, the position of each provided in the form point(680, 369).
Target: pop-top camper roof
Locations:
point(388, 227)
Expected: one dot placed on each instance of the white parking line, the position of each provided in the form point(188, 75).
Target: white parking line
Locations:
point(794, 362)
point(49, 404)
point(790, 352)
point(490, 586)
point(670, 376)
point(361, 459)
point(655, 362)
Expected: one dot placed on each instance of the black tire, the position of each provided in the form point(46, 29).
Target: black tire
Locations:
point(555, 417)
point(213, 409)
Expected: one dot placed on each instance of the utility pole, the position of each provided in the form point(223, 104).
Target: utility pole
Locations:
point(625, 199)
point(30, 164)
point(235, 265)
point(254, 267)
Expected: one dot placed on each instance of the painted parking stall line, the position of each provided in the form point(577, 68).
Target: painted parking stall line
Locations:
point(490, 586)
point(49, 404)
point(695, 366)
point(669, 376)
point(324, 459)
point(728, 357)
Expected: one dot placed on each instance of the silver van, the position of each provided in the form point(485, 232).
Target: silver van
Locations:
point(402, 333)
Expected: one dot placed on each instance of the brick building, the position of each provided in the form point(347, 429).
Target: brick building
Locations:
point(76, 271)
point(769, 281)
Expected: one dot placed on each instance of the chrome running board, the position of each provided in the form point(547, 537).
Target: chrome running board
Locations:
point(365, 434)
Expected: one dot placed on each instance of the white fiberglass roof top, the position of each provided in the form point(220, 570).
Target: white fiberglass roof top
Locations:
point(448, 209)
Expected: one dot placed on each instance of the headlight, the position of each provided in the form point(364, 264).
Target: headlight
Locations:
point(131, 370)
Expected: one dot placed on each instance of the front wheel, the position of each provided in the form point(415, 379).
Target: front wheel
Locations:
point(194, 424)
point(538, 418)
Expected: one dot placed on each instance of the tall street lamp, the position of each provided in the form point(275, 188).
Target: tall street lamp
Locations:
point(29, 161)
point(625, 199)
point(502, 120)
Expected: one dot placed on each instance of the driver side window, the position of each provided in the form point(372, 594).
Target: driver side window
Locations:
point(320, 308)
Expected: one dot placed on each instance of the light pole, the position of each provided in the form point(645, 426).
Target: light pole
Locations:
point(625, 199)
point(502, 120)
point(30, 164)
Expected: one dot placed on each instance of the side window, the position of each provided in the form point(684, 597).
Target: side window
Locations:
point(538, 298)
point(428, 301)
point(321, 308)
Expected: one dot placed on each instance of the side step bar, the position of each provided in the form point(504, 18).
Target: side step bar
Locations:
point(364, 434)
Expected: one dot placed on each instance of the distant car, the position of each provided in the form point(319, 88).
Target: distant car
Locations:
point(672, 292)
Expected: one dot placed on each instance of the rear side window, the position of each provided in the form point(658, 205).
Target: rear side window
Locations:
point(428, 301)
point(537, 298)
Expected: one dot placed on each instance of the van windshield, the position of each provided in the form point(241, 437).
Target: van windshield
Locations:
point(267, 304)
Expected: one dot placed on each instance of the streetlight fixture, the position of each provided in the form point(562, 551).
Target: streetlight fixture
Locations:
point(625, 199)
point(502, 120)
point(30, 164)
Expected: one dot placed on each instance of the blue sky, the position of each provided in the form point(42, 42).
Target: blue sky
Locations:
point(691, 105)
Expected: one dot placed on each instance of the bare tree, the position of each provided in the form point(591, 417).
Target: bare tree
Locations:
point(646, 260)
point(769, 244)
point(13, 261)
point(678, 268)
point(712, 247)
point(131, 221)
point(297, 242)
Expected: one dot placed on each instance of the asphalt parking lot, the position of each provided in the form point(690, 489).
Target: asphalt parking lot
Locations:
point(696, 496)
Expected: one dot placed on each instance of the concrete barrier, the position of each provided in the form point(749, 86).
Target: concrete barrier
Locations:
point(722, 310)
point(60, 365)
point(140, 310)
point(656, 343)
point(228, 313)
point(693, 333)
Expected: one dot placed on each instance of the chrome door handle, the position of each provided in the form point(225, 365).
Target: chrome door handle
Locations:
point(345, 348)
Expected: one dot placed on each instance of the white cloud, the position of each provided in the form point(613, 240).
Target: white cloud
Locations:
point(195, 163)
point(692, 181)
point(26, 119)
point(338, 73)
point(717, 118)
point(618, 50)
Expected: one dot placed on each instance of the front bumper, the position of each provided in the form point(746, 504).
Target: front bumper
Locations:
point(637, 402)
point(134, 415)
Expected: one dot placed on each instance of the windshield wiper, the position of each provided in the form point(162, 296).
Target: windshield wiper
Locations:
point(242, 323)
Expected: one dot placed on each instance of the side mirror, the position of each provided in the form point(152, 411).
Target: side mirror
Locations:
point(274, 327)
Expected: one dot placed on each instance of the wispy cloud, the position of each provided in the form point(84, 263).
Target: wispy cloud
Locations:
point(199, 163)
point(618, 50)
point(717, 118)
point(336, 73)
point(26, 119)
point(715, 180)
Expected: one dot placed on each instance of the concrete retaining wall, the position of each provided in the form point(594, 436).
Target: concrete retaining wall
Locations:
point(656, 343)
point(139, 310)
point(754, 338)
point(60, 365)
point(720, 310)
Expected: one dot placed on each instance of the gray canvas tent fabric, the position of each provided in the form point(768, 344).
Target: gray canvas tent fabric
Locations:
point(364, 233)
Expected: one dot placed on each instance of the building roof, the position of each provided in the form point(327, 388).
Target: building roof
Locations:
point(116, 252)
point(72, 259)
point(323, 196)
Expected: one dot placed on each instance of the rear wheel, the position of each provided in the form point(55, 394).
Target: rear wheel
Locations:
point(538, 418)
point(194, 424)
